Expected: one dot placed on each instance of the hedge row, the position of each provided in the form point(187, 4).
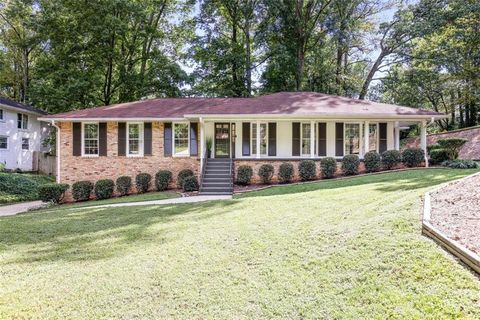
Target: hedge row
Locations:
point(307, 169)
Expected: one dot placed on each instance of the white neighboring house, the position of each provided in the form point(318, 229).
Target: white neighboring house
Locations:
point(21, 134)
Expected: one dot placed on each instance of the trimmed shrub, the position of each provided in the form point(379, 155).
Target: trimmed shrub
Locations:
point(266, 173)
point(372, 161)
point(350, 164)
point(52, 192)
point(244, 175)
point(285, 172)
point(190, 184)
point(81, 190)
point(163, 179)
point(182, 175)
point(438, 156)
point(451, 146)
point(20, 185)
point(412, 157)
point(142, 182)
point(124, 184)
point(307, 170)
point(328, 167)
point(103, 189)
point(391, 158)
point(461, 164)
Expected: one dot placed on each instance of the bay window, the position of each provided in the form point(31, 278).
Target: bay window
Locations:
point(352, 138)
point(90, 139)
point(181, 139)
point(134, 139)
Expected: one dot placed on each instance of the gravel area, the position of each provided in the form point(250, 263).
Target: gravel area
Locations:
point(456, 212)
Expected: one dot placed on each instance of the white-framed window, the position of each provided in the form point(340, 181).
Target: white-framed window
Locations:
point(305, 139)
point(351, 138)
point(3, 142)
point(263, 138)
point(135, 139)
point(90, 143)
point(181, 139)
point(25, 144)
point(373, 137)
point(22, 121)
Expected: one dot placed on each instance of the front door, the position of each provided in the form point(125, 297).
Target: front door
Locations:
point(222, 140)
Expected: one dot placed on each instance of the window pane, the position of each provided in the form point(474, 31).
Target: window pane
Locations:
point(372, 137)
point(91, 131)
point(3, 143)
point(90, 142)
point(25, 122)
point(181, 138)
point(352, 138)
point(306, 138)
point(263, 138)
point(19, 120)
point(254, 138)
point(1, 114)
point(25, 144)
point(133, 131)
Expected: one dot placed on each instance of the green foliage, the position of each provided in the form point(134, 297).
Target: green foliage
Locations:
point(372, 160)
point(103, 189)
point(124, 184)
point(2, 167)
point(81, 190)
point(451, 146)
point(266, 173)
point(142, 182)
point(190, 184)
point(182, 175)
point(461, 164)
point(52, 192)
point(244, 175)
point(307, 169)
point(438, 156)
point(412, 157)
point(20, 185)
point(285, 172)
point(163, 179)
point(328, 167)
point(350, 164)
point(391, 158)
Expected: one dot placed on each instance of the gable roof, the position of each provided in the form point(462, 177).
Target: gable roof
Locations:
point(17, 105)
point(282, 104)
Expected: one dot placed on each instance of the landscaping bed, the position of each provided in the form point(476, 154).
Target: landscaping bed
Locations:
point(455, 211)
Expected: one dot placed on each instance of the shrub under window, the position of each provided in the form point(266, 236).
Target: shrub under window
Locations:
point(163, 179)
point(124, 183)
point(52, 192)
point(104, 189)
point(328, 167)
point(182, 175)
point(81, 190)
point(285, 172)
point(190, 184)
point(244, 175)
point(350, 164)
point(372, 161)
point(266, 173)
point(412, 157)
point(307, 170)
point(391, 158)
point(142, 182)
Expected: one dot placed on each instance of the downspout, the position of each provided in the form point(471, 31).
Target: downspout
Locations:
point(58, 150)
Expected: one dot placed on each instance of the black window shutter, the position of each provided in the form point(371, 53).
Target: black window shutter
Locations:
point(339, 139)
point(122, 138)
point(167, 139)
point(296, 139)
point(102, 139)
point(147, 138)
point(245, 138)
point(322, 139)
point(272, 138)
point(193, 139)
point(77, 139)
point(382, 137)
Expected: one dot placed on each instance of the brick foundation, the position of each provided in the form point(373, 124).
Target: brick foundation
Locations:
point(76, 168)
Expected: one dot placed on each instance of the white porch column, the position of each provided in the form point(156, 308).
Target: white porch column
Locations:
point(423, 140)
point(202, 143)
point(366, 138)
point(312, 139)
point(258, 140)
point(397, 135)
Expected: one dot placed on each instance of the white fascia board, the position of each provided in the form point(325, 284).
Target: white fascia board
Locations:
point(290, 117)
point(110, 119)
point(19, 110)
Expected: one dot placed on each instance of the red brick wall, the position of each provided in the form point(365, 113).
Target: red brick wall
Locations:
point(73, 168)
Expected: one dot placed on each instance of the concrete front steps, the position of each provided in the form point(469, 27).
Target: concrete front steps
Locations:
point(217, 177)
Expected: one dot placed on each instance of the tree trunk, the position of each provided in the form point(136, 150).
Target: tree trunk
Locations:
point(248, 61)
point(371, 73)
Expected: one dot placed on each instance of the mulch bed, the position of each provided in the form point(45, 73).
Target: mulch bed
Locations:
point(455, 210)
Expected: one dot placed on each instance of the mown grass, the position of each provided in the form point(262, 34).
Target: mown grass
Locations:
point(348, 249)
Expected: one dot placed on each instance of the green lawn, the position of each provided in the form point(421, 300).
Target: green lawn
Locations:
point(348, 249)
